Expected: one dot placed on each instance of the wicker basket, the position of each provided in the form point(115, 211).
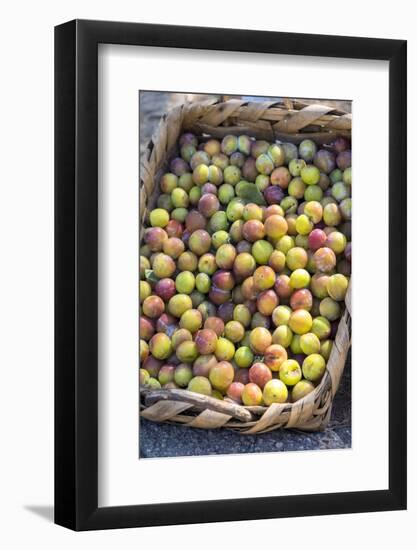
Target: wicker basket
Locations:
point(287, 121)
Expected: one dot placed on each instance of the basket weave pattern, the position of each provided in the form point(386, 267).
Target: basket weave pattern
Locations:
point(287, 121)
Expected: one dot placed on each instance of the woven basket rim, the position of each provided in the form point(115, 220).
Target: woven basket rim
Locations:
point(198, 116)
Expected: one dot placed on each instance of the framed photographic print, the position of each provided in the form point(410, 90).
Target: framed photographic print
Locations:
point(212, 323)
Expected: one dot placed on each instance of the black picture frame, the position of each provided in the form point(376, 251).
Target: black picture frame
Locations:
point(76, 271)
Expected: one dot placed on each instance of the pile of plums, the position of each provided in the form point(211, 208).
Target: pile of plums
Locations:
point(244, 267)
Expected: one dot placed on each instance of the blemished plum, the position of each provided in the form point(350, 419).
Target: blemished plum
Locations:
point(221, 375)
point(260, 374)
point(313, 367)
point(275, 391)
point(166, 323)
point(330, 309)
point(206, 340)
point(290, 372)
point(307, 149)
point(260, 339)
point(325, 259)
point(301, 299)
point(168, 182)
point(274, 356)
point(337, 286)
point(207, 264)
point(235, 390)
point(252, 395)
point(301, 389)
point(263, 278)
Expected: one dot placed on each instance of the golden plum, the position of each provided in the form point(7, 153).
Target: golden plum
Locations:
point(178, 304)
point(301, 389)
point(160, 346)
point(313, 367)
point(252, 395)
point(330, 309)
point(309, 343)
point(191, 320)
point(260, 339)
point(200, 384)
point(290, 372)
point(337, 286)
point(253, 230)
point(225, 256)
point(275, 391)
point(283, 336)
point(166, 374)
point(261, 251)
point(163, 266)
point(243, 357)
point(300, 321)
point(225, 349)
point(187, 352)
point(179, 336)
point(221, 375)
